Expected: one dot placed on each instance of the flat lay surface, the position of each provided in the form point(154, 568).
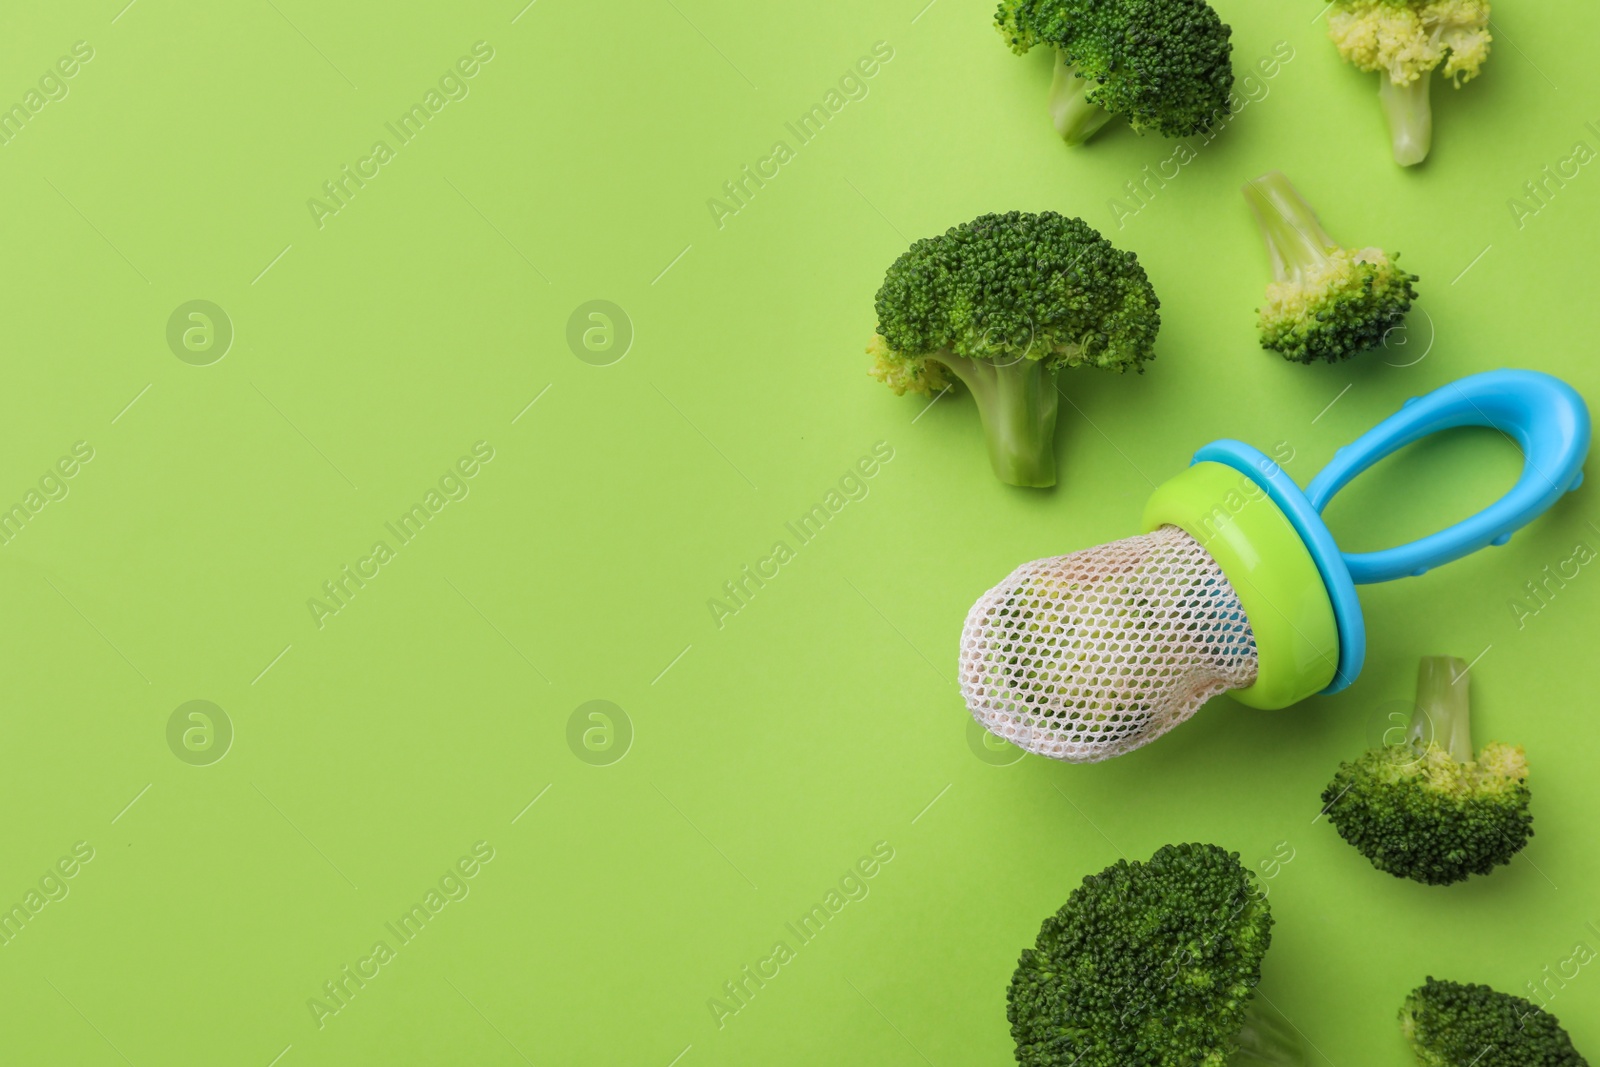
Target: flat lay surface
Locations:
point(467, 602)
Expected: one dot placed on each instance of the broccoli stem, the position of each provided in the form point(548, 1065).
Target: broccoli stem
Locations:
point(1410, 117)
point(1077, 118)
point(1017, 401)
point(1443, 714)
point(1295, 239)
point(1267, 1038)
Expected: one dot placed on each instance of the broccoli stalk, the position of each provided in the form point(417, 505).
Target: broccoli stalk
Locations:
point(1295, 239)
point(1410, 116)
point(1017, 403)
point(1325, 302)
point(1076, 117)
point(1427, 807)
point(1267, 1038)
point(1442, 714)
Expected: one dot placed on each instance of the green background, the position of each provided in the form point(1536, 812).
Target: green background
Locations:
point(769, 755)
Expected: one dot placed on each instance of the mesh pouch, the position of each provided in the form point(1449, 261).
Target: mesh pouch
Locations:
point(1090, 655)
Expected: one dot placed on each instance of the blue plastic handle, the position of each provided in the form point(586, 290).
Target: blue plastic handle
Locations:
point(1544, 415)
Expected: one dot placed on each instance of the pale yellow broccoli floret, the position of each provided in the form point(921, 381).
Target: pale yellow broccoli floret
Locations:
point(1499, 768)
point(1408, 40)
point(1463, 28)
point(905, 373)
point(1500, 764)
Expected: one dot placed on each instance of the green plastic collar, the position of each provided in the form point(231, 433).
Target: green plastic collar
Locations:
point(1263, 558)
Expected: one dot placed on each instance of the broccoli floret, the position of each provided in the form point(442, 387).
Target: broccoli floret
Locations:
point(1161, 64)
point(1153, 964)
point(1451, 1025)
point(1423, 808)
point(1002, 303)
point(1404, 40)
point(1325, 302)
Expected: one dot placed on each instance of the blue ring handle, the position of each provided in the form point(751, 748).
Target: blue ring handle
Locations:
point(1544, 415)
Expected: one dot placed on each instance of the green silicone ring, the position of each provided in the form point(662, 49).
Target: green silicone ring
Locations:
point(1263, 558)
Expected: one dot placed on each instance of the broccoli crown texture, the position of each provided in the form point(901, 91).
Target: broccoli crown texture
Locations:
point(1332, 309)
point(1012, 287)
point(1452, 1025)
point(1407, 39)
point(1161, 64)
point(1147, 963)
point(1001, 303)
point(1418, 813)
point(1326, 302)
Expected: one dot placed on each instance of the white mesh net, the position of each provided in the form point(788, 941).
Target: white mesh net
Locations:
point(1087, 656)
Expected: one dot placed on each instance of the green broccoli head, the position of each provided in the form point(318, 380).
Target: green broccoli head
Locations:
point(1331, 310)
point(1418, 813)
point(1002, 303)
point(1151, 963)
point(1405, 41)
point(1325, 302)
point(1424, 808)
point(1451, 1025)
point(1161, 64)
